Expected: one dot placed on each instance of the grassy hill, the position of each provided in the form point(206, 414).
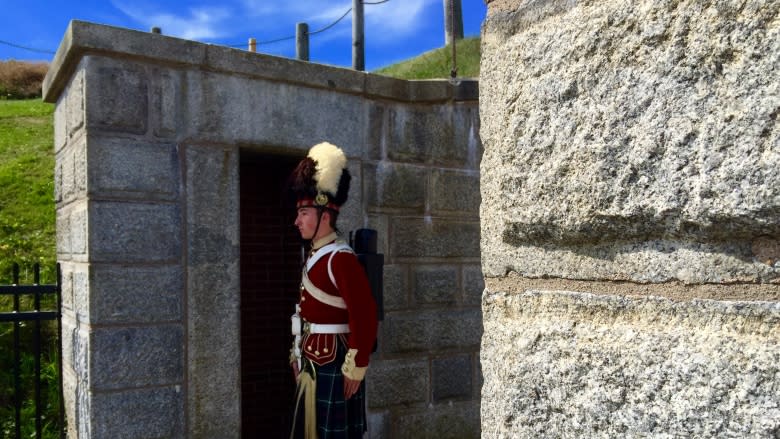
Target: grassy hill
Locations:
point(438, 63)
point(27, 181)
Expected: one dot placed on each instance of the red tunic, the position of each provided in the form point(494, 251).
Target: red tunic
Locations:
point(354, 288)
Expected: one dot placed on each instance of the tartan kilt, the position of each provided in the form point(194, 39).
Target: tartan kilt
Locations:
point(336, 418)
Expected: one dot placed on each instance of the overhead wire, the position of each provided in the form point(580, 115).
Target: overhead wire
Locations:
point(31, 49)
point(267, 42)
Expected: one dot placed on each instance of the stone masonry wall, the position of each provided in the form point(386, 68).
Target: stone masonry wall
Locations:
point(630, 218)
point(148, 134)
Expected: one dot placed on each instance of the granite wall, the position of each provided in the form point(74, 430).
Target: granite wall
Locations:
point(630, 218)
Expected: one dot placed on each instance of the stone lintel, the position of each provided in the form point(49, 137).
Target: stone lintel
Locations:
point(82, 38)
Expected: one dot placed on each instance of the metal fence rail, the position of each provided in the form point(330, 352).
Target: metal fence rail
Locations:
point(18, 317)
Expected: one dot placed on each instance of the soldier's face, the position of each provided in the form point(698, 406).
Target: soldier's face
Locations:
point(306, 222)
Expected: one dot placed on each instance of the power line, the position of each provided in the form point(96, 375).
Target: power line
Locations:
point(332, 24)
point(31, 49)
point(277, 40)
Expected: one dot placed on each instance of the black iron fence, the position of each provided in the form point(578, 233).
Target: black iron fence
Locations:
point(30, 359)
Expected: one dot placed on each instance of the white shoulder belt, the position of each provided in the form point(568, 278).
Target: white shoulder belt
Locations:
point(317, 293)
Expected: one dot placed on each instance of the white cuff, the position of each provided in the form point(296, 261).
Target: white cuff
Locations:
point(350, 370)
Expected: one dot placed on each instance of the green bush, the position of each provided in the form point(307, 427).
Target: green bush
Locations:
point(21, 80)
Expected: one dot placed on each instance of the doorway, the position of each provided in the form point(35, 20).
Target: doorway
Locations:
point(270, 276)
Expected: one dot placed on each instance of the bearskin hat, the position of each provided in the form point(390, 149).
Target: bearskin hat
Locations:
point(321, 179)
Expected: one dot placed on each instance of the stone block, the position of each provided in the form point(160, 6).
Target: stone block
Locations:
point(122, 294)
point(435, 284)
point(212, 283)
point(659, 126)
point(61, 123)
point(122, 357)
point(68, 344)
point(74, 104)
point(455, 192)
point(378, 425)
point(77, 223)
point(134, 232)
point(396, 382)
point(395, 185)
point(380, 223)
point(82, 304)
point(473, 284)
point(419, 134)
point(139, 413)
point(165, 101)
point(63, 234)
point(434, 238)
point(133, 169)
point(66, 286)
point(282, 114)
point(432, 331)
point(396, 287)
point(451, 421)
point(451, 378)
point(118, 95)
point(466, 124)
point(559, 363)
point(376, 132)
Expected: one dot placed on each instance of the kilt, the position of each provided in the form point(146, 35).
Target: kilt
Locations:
point(336, 418)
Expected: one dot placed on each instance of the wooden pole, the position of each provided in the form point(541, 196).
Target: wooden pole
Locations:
point(358, 35)
point(302, 41)
point(252, 45)
point(453, 21)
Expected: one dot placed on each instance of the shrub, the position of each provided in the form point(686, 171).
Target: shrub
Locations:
point(21, 80)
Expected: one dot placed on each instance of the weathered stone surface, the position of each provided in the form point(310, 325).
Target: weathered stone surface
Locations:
point(134, 231)
point(473, 285)
point(567, 364)
point(212, 286)
point(132, 169)
point(394, 382)
point(455, 192)
point(435, 284)
point(396, 287)
point(435, 238)
point(118, 95)
point(421, 135)
point(634, 124)
point(281, 114)
point(136, 356)
point(451, 377)
point(432, 330)
point(135, 294)
point(442, 421)
point(155, 412)
point(394, 185)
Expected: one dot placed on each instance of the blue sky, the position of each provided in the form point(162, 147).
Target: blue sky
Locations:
point(394, 30)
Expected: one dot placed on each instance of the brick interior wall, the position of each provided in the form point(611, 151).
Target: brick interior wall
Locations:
point(270, 264)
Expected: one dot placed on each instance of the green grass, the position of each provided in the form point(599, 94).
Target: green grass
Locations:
point(27, 222)
point(27, 236)
point(438, 63)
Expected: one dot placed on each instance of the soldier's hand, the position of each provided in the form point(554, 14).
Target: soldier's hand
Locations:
point(350, 387)
point(295, 369)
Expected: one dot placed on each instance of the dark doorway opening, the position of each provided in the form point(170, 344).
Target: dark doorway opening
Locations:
point(270, 276)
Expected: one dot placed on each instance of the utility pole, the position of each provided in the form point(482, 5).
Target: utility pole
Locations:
point(358, 36)
point(302, 41)
point(453, 21)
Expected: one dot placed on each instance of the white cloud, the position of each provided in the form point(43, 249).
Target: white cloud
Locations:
point(196, 24)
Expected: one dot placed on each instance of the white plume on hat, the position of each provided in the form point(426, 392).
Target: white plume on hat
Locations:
point(331, 161)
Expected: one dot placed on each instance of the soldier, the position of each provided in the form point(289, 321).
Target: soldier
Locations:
point(335, 323)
